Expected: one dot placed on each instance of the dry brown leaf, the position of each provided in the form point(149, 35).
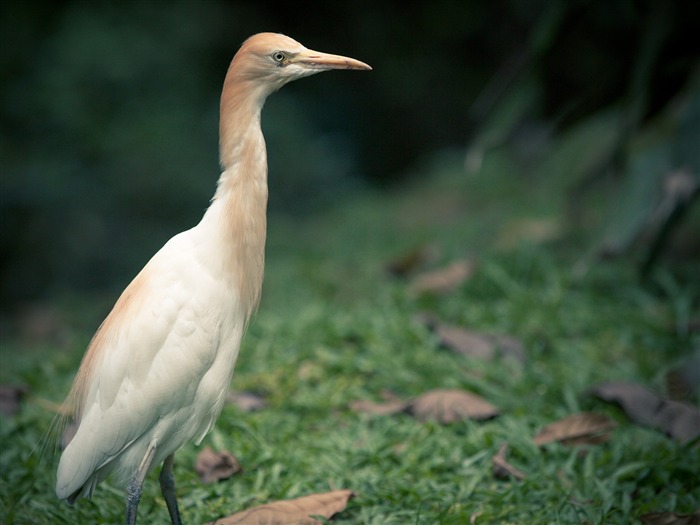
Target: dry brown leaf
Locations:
point(413, 260)
point(500, 466)
point(671, 518)
point(444, 406)
point(466, 342)
point(299, 511)
point(472, 343)
point(479, 344)
point(246, 401)
point(386, 408)
point(216, 466)
point(449, 405)
point(444, 280)
point(11, 397)
point(583, 428)
point(679, 420)
point(638, 402)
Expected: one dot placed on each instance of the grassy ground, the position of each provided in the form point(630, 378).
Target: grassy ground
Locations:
point(333, 328)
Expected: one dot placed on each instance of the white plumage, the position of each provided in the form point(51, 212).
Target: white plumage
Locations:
point(157, 371)
point(169, 350)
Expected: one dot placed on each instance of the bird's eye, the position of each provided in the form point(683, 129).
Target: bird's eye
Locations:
point(278, 56)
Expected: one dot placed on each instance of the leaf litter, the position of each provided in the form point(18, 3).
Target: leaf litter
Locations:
point(474, 343)
point(444, 280)
point(299, 511)
point(441, 405)
point(577, 429)
point(677, 419)
point(214, 466)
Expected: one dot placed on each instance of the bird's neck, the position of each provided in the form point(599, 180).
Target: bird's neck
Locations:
point(238, 210)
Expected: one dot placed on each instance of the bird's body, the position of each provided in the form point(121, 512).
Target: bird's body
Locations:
point(164, 358)
point(156, 373)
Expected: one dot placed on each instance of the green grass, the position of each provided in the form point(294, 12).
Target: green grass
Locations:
point(333, 328)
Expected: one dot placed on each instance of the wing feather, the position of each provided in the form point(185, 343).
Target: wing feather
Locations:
point(144, 365)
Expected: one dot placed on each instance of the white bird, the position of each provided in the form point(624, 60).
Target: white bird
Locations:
point(157, 370)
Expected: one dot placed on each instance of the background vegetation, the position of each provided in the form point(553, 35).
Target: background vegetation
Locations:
point(109, 110)
point(554, 144)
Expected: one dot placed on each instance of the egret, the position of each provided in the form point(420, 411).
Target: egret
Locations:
point(156, 372)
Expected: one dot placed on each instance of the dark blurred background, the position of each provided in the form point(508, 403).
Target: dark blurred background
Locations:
point(109, 110)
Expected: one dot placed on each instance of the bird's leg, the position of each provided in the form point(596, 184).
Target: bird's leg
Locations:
point(133, 490)
point(167, 487)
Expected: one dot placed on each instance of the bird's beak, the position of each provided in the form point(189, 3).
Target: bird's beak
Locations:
point(317, 60)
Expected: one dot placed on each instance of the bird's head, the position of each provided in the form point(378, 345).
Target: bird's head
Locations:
point(273, 59)
point(264, 63)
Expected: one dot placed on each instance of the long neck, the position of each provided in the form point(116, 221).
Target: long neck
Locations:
point(238, 210)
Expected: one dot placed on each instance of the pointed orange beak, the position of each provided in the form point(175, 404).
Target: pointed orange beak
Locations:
point(317, 60)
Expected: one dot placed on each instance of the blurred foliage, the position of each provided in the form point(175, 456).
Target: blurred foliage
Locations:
point(109, 112)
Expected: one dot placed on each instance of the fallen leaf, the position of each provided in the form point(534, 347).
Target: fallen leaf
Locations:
point(246, 401)
point(386, 408)
point(671, 518)
point(216, 466)
point(444, 406)
point(638, 402)
point(501, 468)
point(679, 420)
point(11, 397)
point(297, 511)
point(479, 344)
point(473, 343)
point(413, 260)
point(447, 406)
point(466, 342)
point(583, 428)
point(445, 279)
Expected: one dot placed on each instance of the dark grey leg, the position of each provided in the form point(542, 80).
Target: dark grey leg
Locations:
point(167, 487)
point(133, 490)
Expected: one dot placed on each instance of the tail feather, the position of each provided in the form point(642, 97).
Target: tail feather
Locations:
point(72, 494)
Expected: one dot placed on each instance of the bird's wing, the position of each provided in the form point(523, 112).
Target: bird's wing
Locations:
point(147, 360)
